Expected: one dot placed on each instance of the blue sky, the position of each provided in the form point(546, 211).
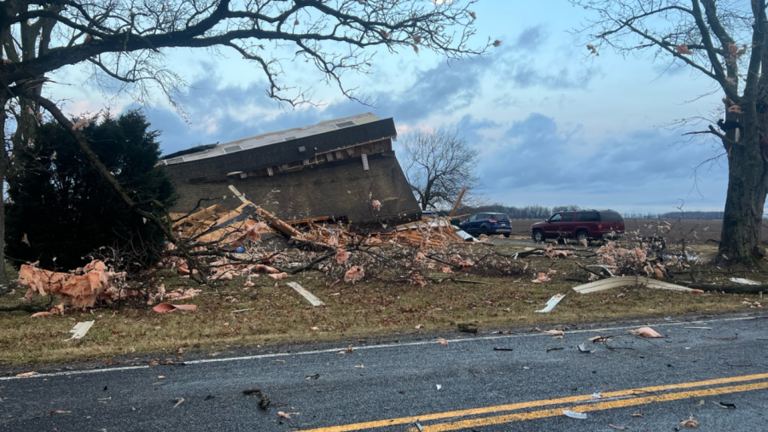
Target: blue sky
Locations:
point(554, 126)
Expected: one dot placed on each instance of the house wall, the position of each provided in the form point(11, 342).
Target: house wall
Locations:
point(340, 188)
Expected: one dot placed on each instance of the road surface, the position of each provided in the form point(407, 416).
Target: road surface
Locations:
point(714, 371)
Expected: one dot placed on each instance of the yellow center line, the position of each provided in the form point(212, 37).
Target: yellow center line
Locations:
point(622, 403)
point(531, 404)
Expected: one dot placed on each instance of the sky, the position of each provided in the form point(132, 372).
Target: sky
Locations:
point(554, 125)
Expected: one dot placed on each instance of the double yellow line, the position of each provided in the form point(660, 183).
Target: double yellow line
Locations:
point(620, 399)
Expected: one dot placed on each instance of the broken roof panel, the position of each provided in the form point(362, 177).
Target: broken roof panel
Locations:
point(269, 138)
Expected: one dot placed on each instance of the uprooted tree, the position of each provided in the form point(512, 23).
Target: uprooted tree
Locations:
point(59, 211)
point(727, 45)
point(438, 165)
point(123, 42)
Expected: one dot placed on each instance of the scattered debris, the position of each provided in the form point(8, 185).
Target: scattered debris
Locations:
point(58, 412)
point(554, 333)
point(314, 377)
point(637, 415)
point(602, 339)
point(80, 329)
point(442, 341)
point(575, 415)
point(617, 282)
point(26, 374)
point(596, 395)
point(81, 289)
point(467, 328)
point(354, 274)
point(438, 387)
point(314, 301)
point(178, 402)
point(551, 303)
point(612, 426)
point(167, 307)
point(744, 281)
point(646, 332)
point(727, 405)
point(258, 393)
point(554, 349)
point(541, 278)
point(689, 423)
point(283, 415)
point(502, 349)
point(583, 349)
point(418, 426)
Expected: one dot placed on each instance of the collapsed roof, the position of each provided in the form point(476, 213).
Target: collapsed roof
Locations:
point(334, 168)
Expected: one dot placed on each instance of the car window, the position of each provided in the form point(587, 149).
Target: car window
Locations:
point(568, 217)
point(482, 216)
point(500, 216)
point(555, 218)
point(587, 216)
point(473, 217)
point(610, 216)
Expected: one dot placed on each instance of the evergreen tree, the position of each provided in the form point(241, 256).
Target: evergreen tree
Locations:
point(59, 208)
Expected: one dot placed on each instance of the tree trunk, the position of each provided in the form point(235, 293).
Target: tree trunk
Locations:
point(3, 273)
point(3, 168)
point(747, 189)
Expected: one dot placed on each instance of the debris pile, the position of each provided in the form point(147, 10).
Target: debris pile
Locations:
point(81, 289)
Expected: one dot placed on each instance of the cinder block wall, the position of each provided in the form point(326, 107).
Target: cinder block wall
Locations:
point(334, 189)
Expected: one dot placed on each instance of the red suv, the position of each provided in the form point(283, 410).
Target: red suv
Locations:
point(581, 225)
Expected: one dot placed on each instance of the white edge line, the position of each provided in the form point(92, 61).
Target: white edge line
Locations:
point(361, 348)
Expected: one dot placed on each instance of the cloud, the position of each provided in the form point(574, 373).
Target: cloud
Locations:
point(537, 157)
point(532, 38)
point(221, 113)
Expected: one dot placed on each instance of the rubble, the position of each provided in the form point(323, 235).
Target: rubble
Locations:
point(81, 289)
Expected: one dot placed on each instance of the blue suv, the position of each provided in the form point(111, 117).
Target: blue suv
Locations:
point(487, 223)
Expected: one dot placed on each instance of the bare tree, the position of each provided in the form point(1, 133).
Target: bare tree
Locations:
point(728, 45)
point(123, 41)
point(438, 164)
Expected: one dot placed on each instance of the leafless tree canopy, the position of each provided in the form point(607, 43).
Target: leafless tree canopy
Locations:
point(438, 164)
point(726, 41)
point(123, 39)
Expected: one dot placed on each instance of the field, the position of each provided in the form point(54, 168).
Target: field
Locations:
point(696, 232)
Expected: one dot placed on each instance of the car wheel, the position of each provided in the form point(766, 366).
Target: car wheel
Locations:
point(484, 230)
point(538, 236)
point(582, 235)
point(506, 235)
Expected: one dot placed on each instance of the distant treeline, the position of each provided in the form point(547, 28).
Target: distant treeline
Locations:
point(541, 212)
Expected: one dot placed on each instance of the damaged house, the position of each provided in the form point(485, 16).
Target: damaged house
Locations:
point(331, 169)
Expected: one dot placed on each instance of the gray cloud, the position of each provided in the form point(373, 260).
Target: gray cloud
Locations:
point(532, 38)
point(538, 156)
point(445, 88)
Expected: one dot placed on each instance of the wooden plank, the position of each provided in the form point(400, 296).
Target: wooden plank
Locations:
point(314, 301)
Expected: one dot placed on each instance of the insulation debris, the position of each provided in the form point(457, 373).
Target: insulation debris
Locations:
point(167, 307)
point(80, 290)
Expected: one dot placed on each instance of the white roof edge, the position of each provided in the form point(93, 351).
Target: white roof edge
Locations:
point(269, 138)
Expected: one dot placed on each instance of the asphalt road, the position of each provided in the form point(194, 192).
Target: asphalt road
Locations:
point(466, 385)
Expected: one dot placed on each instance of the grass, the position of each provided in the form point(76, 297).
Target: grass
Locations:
point(370, 309)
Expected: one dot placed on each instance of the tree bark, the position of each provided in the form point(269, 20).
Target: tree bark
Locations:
point(3, 168)
point(747, 190)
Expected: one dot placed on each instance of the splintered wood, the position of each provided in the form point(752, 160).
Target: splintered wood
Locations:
point(216, 225)
point(221, 226)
